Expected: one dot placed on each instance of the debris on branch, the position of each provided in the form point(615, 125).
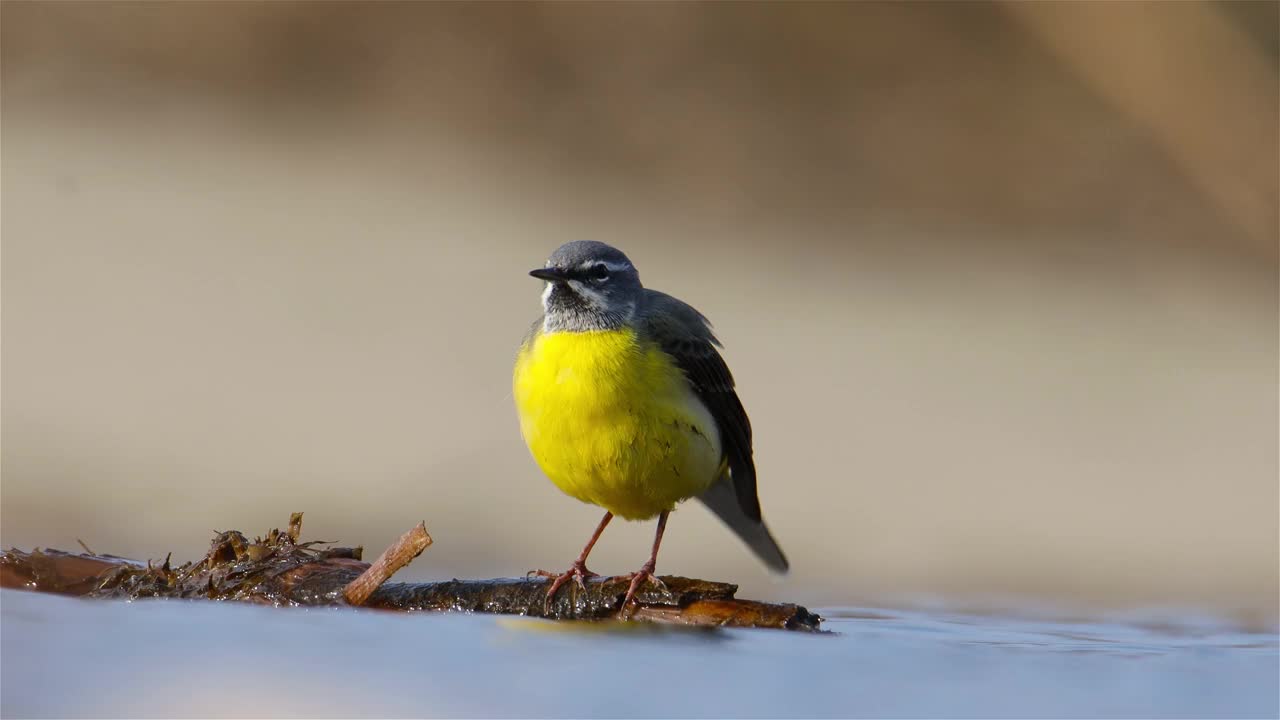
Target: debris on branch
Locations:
point(279, 569)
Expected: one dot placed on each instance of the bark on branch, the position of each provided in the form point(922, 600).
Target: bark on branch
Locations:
point(278, 569)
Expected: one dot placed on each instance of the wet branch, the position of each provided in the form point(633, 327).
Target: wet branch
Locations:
point(279, 569)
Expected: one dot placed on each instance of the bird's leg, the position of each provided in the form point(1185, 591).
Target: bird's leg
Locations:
point(645, 573)
point(578, 571)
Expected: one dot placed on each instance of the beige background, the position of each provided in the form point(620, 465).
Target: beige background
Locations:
point(998, 282)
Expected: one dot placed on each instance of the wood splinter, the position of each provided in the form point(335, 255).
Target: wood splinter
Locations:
point(400, 553)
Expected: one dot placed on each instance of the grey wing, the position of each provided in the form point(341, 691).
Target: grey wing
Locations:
point(684, 334)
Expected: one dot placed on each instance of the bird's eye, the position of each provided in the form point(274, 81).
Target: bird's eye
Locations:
point(599, 272)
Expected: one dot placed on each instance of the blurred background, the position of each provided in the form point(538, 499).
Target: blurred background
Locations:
point(998, 281)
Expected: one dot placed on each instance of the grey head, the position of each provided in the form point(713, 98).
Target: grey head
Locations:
point(590, 286)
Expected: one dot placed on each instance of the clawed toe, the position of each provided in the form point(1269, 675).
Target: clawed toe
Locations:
point(578, 573)
point(643, 575)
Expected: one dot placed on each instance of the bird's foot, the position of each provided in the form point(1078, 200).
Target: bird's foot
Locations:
point(578, 573)
point(643, 575)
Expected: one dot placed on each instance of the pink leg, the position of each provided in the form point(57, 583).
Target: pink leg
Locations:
point(646, 571)
point(578, 572)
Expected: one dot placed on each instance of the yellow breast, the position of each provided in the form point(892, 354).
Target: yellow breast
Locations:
point(612, 422)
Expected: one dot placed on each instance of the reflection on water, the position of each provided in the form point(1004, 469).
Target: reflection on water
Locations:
point(66, 657)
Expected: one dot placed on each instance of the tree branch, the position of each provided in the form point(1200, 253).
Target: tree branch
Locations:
point(280, 570)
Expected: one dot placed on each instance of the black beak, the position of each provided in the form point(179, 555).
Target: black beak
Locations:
point(550, 274)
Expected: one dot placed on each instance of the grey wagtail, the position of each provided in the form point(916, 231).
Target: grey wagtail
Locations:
point(625, 403)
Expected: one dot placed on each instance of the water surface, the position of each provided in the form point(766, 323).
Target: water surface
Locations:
point(71, 657)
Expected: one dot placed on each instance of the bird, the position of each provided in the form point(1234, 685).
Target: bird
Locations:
point(625, 403)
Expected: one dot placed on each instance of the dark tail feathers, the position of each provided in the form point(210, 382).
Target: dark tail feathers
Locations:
point(723, 501)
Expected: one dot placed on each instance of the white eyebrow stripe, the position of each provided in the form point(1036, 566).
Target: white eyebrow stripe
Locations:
point(610, 266)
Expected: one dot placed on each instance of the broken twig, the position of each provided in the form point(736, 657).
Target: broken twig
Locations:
point(401, 553)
